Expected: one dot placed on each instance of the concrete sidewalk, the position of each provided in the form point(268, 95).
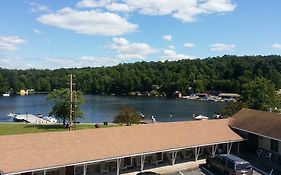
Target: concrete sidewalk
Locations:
point(168, 169)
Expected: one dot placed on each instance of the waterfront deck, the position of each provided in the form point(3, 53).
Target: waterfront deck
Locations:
point(29, 118)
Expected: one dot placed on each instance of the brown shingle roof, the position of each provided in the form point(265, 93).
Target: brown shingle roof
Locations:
point(260, 122)
point(34, 151)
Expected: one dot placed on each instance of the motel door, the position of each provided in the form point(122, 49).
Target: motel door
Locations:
point(69, 170)
point(28, 173)
point(252, 142)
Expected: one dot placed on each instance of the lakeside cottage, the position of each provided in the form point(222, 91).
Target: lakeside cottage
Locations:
point(134, 148)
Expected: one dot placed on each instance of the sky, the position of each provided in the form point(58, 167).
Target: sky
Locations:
point(92, 33)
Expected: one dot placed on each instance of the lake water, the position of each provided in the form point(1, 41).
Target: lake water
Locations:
point(104, 108)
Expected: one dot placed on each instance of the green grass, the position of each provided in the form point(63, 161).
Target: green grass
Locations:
point(17, 128)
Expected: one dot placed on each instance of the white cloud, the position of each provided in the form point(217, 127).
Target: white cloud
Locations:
point(36, 7)
point(172, 55)
point(188, 45)
point(222, 47)
point(184, 10)
point(169, 52)
point(125, 49)
point(37, 31)
point(83, 61)
point(120, 41)
point(276, 46)
point(88, 22)
point(218, 6)
point(10, 43)
point(92, 3)
point(118, 7)
point(172, 47)
point(15, 62)
point(167, 37)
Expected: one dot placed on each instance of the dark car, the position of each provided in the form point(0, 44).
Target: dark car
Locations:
point(148, 173)
point(229, 164)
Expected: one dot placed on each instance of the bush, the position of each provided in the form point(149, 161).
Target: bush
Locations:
point(127, 115)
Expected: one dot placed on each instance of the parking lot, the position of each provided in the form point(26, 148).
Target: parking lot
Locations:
point(203, 171)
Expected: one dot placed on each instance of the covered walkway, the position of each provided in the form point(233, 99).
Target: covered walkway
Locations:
point(115, 150)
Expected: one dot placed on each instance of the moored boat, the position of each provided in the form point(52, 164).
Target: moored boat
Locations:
point(6, 95)
point(200, 117)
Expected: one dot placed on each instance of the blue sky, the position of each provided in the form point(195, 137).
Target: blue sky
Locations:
point(67, 33)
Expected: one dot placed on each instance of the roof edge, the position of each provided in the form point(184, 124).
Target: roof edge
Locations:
point(244, 130)
point(118, 157)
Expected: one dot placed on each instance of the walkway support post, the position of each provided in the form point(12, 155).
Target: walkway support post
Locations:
point(197, 152)
point(142, 162)
point(174, 155)
point(214, 149)
point(118, 166)
point(45, 172)
point(85, 169)
point(228, 147)
point(238, 148)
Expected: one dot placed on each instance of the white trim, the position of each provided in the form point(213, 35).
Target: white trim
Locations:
point(85, 169)
point(214, 149)
point(174, 156)
point(256, 133)
point(114, 158)
point(228, 148)
point(118, 162)
point(142, 162)
point(197, 152)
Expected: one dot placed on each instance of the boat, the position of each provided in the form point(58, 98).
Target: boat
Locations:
point(6, 95)
point(12, 115)
point(200, 117)
point(34, 119)
point(142, 115)
point(217, 116)
point(51, 119)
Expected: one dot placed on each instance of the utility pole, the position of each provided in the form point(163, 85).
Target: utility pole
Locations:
point(70, 112)
point(75, 108)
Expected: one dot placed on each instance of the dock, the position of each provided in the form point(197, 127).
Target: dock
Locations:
point(29, 118)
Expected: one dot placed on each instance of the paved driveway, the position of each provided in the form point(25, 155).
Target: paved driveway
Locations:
point(203, 171)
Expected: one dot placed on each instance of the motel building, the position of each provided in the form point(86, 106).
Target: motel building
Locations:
point(137, 148)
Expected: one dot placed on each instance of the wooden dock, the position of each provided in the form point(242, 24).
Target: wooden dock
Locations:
point(29, 118)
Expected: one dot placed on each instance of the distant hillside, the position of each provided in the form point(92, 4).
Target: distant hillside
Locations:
point(227, 74)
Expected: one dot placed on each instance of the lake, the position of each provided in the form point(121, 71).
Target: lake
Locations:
point(99, 108)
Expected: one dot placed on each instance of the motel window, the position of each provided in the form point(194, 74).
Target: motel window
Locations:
point(274, 145)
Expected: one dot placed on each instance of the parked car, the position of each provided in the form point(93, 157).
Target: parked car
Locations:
point(148, 173)
point(229, 164)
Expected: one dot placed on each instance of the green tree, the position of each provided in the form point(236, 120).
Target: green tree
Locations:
point(61, 108)
point(127, 115)
point(260, 94)
point(231, 108)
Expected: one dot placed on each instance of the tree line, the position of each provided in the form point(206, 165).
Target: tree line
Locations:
point(226, 74)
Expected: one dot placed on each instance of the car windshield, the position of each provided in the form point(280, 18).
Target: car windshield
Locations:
point(244, 166)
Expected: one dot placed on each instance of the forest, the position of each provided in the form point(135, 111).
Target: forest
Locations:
point(226, 74)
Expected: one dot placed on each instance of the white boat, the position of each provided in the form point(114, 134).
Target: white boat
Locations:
point(217, 116)
point(201, 117)
point(11, 115)
point(6, 95)
point(51, 119)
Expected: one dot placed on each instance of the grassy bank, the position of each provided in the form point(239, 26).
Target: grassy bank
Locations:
point(17, 128)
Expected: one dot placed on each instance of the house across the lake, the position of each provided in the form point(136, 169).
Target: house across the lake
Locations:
point(135, 148)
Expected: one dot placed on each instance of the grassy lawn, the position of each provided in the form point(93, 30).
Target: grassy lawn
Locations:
point(17, 128)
